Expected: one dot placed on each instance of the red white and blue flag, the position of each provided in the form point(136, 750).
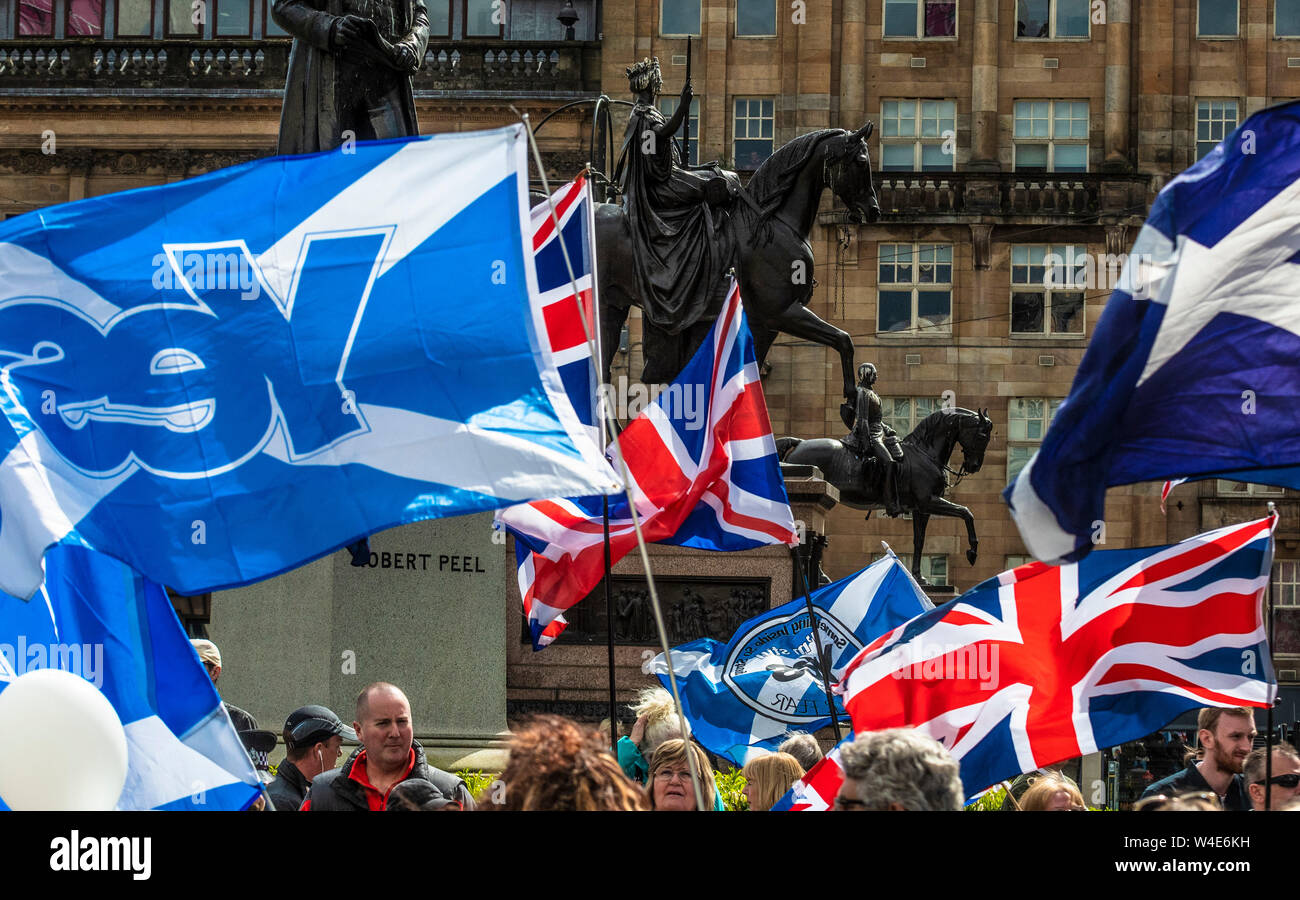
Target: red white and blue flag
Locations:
point(558, 312)
point(704, 474)
point(1046, 663)
point(816, 791)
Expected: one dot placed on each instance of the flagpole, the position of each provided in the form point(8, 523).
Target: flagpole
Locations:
point(627, 479)
point(1268, 740)
point(823, 658)
point(609, 637)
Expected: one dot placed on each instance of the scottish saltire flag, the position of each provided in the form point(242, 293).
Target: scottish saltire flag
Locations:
point(817, 790)
point(221, 379)
point(704, 472)
point(1045, 663)
point(744, 697)
point(1194, 366)
point(563, 333)
point(96, 618)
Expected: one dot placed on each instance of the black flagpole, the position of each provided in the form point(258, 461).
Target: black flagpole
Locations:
point(609, 639)
point(686, 121)
point(823, 657)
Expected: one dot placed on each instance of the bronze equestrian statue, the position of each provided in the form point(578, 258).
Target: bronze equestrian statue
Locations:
point(921, 475)
point(871, 437)
point(667, 247)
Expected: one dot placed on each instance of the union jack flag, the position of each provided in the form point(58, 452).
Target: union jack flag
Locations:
point(556, 310)
point(704, 475)
point(816, 791)
point(1045, 663)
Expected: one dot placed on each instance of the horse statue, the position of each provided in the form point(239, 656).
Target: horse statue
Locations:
point(772, 227)
point(922, 473)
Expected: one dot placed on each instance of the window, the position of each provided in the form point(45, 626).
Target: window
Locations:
point(35, 18)
point(179, 21)
point(234, 18)
point(668, 106)
point(903, 414)
point(1015, 562)
point(914, 135)
point(1286, 583)
point(1215, 120)
point(484, 18)
point(915, 293)
point(679, 17)
point(439, 18)
point(920, 18)
point(1051, 135)
point(86, 18)
point(1286, 18)
point(1243, 489)
point(1052, 19)
point(271, 28)
point(755, 18)
point(1216, 18)
point(755, 120)
point(934, 569)
point(1028, 419)
point(135, 18)
point(1047, 288)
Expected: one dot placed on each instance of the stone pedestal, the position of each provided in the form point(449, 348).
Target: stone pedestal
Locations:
point(425, 614)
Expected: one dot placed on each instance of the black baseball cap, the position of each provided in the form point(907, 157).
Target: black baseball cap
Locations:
point(310, 724)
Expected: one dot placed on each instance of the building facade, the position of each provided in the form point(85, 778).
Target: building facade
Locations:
point(1012, 137)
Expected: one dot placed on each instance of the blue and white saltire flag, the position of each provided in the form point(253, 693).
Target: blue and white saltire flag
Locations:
point(221, 379)
point(1194, 366)
point(744, 697)
point(98, 619)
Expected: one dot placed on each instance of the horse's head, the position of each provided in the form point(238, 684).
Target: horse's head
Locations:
point(973, 434)
point(848, 175)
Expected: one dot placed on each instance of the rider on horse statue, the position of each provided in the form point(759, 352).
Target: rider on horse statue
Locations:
point(681, 241)
point(871, 437)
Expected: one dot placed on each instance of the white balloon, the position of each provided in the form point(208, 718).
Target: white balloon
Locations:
point(63, 746)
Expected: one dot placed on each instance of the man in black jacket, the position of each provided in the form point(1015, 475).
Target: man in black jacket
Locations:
point(1226, 736)
point(313, 740)
point(389, 756)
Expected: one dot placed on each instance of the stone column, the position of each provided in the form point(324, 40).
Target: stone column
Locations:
point(853, 76)
point(984, 90)
point(1119, 79)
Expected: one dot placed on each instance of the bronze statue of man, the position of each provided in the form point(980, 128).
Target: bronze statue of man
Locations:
point(868, 437)
point(350, 70)
point(681, 249)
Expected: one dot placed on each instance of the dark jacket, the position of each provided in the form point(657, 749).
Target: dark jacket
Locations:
point(312, 118)
point(1190, 779)
point(289, 788)
point(335, 791)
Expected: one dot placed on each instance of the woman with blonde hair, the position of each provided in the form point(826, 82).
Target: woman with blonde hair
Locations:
point(656, 721)
point(1051, 793)
point(670, 777)
point(768, 777)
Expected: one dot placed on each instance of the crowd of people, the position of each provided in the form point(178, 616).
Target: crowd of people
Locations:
point(558, 764)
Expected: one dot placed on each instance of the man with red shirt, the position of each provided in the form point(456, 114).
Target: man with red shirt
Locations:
point(388, 756)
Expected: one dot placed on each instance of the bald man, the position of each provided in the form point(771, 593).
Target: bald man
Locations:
point(388, 756)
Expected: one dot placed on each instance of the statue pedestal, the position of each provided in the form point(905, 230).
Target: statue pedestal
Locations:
point(702, 593)
point(425, 615)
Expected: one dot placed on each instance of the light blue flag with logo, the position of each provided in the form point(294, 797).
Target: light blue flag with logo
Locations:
point(96, 618)
point(744, 697)
point(221, 379)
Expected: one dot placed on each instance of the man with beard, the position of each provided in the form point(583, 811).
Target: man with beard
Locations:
point(1226, 736)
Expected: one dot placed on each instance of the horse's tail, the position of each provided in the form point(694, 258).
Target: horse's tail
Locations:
point(785, 445)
